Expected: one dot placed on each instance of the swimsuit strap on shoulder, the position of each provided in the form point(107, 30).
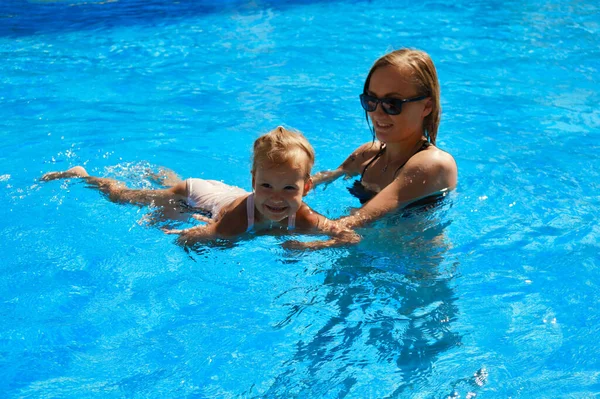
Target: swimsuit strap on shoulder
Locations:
point(426, 144)
point(250, 211)
point(292, 222)
point(188, 191)
point(379, 153)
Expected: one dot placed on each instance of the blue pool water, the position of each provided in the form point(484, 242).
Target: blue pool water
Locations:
point(494, 295)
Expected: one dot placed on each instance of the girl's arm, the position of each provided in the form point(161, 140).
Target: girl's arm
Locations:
point(196, 234)
point(231, 222)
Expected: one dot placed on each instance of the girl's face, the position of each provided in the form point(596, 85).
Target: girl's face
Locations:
point(394, 82)
point(278, 190)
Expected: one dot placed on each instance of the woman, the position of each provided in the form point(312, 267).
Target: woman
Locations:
point(401, 97)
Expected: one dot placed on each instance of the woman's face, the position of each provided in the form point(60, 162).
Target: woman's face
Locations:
point(396, 83)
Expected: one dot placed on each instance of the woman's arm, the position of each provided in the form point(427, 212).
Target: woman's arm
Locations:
point(350, 167)
point(422, 177)
point(312, 222)
point(345, 237)
point(327, 176)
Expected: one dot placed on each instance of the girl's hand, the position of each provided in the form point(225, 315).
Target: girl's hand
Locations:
point(295, 245)
point(203, 218)
point(172, 231)
point(196, 216)
point(193, 235)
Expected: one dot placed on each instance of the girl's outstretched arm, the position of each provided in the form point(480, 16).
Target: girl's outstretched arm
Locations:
point(118, 192)
point(194, 235)
point(231, 222)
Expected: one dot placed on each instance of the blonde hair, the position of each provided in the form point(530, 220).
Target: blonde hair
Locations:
point(425, 77)
point(281, 146)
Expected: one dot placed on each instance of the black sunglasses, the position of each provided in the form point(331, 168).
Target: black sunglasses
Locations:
point(391, 106)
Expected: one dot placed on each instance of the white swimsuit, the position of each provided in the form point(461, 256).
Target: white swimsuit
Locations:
point(213, 195)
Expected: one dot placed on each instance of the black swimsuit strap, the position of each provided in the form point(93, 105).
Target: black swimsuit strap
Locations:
point(380, 153)
point(426, 144)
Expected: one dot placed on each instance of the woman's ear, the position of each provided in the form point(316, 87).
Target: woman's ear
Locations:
point(308, 185)
point(428, 107)
point(253, 180)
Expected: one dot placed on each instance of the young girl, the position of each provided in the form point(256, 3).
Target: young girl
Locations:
point(282, 162)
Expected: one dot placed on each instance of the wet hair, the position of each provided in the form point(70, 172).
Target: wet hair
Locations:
point(424, 76)
point(281, 146)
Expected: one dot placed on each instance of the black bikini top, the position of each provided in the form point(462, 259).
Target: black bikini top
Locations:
point(364, 194)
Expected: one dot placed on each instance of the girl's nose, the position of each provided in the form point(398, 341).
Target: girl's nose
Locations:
point(278, 197)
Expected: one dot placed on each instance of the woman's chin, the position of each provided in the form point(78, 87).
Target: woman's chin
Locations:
point(382, 136)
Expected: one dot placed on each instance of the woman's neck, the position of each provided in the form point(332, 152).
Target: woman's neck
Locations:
point(401, 151)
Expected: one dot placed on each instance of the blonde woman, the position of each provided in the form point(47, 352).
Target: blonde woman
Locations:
point(402, 166)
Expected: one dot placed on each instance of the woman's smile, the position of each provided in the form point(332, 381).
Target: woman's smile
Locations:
point(382, 125)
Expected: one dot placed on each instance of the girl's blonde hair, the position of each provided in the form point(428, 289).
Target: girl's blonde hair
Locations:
point(425, 77)
point(281, 146)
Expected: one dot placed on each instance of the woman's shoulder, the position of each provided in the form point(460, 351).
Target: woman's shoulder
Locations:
point(368, 149)
point(432, 157)
point(361, 155)
point(433, 163)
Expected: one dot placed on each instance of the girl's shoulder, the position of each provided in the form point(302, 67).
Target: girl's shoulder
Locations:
point(233, 218)
point(307, 219)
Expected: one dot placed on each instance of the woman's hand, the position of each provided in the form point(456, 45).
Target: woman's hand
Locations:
point(342, 238)
point(327, 176)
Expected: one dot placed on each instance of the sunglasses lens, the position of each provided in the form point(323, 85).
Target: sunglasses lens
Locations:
point(368, 103)
point(391, 108)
